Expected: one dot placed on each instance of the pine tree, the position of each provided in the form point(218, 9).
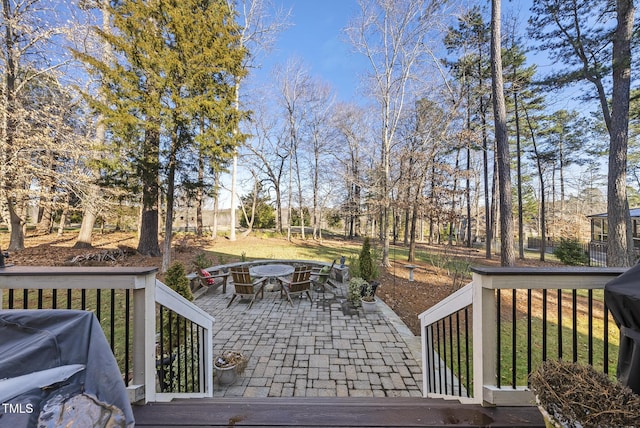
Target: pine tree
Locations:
point(172, 89)
point(365, 262)
point(581, 35)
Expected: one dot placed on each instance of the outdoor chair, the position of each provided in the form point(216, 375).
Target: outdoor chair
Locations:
point(244, 286)
point(320, 278)
point(213, 280)
point(299, 283)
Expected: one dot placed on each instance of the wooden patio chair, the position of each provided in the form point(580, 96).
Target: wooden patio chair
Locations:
point(213, 280)
point(299, 283)
point(244, 286)
point(320, 278)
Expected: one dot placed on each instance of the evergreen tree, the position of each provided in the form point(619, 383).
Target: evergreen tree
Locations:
point(365, 262)
point(177, 64)
point(471, 40)
point(581, 34)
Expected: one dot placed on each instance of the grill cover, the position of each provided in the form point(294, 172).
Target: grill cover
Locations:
point(57, 369)
point(622, 296)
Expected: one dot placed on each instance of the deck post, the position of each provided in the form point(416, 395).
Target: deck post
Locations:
point(144, 337)
point(484, 339)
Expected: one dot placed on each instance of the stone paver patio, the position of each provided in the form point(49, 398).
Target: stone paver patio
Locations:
point(313, 349)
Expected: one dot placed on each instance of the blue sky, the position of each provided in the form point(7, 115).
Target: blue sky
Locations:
point(316, 36)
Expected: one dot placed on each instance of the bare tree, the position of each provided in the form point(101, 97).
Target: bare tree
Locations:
point(350, 124)
point(392, 35)
point(320, 138)
point(25, 44)
point(293, 82)
point(91, 203)
point(258, 32)
point(269, 151)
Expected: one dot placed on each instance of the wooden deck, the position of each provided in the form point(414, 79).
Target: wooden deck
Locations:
point(331, 412)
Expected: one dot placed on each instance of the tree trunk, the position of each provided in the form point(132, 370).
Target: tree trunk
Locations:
point(620, 244)
point(232, 211)
point(507, 254)
point(45, 223)
point(63, 220)
point(468, 198)
point(519, 178)
point(453, 199)
point(200, 198)
point(234, 172)
point(16, 240)
point(86, 229)
point(168, 222)
point(9, 181)
point(543, 207)
point(278, 209)
point(148, 243)
point(487, 192)
point(300, 200)
point(216, 206)
point(290, 208)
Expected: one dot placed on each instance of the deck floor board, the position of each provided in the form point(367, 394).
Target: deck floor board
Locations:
point(331, 412)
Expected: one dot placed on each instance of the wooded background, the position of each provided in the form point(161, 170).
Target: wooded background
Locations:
point(131, 113)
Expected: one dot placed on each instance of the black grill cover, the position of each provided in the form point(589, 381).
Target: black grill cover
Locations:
point(72, 377)
point(622, 296)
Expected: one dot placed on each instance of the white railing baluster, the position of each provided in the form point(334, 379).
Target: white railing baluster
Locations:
point(147, 292)
point(480, 296)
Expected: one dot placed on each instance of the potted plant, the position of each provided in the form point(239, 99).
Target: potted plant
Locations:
point(572, 395)
point(228, 365)
point(367, 298)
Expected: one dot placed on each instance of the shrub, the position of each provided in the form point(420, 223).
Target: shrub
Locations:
point(354, 266)
point(365, 262)
point(354, 290)
point(202, 261)
point(177, 280)
point(570, 252)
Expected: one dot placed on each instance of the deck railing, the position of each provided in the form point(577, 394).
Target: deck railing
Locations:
point(480, 344)
point(143, 320)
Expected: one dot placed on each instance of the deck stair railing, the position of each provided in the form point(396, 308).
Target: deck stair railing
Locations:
point(161, 341)
point(480, 344)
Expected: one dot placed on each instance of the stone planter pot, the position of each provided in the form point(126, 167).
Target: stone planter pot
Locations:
point(228, 365)
point(369, 307)
point(226, 375)
point(549, 421)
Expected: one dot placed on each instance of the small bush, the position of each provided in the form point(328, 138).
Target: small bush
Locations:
point(354, 266)
point(365, 261)
point(202, 261)
point(177, 280)
point(570, 252)
point(354, 290)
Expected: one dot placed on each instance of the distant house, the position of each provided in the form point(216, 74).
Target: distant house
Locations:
point(600, 227)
